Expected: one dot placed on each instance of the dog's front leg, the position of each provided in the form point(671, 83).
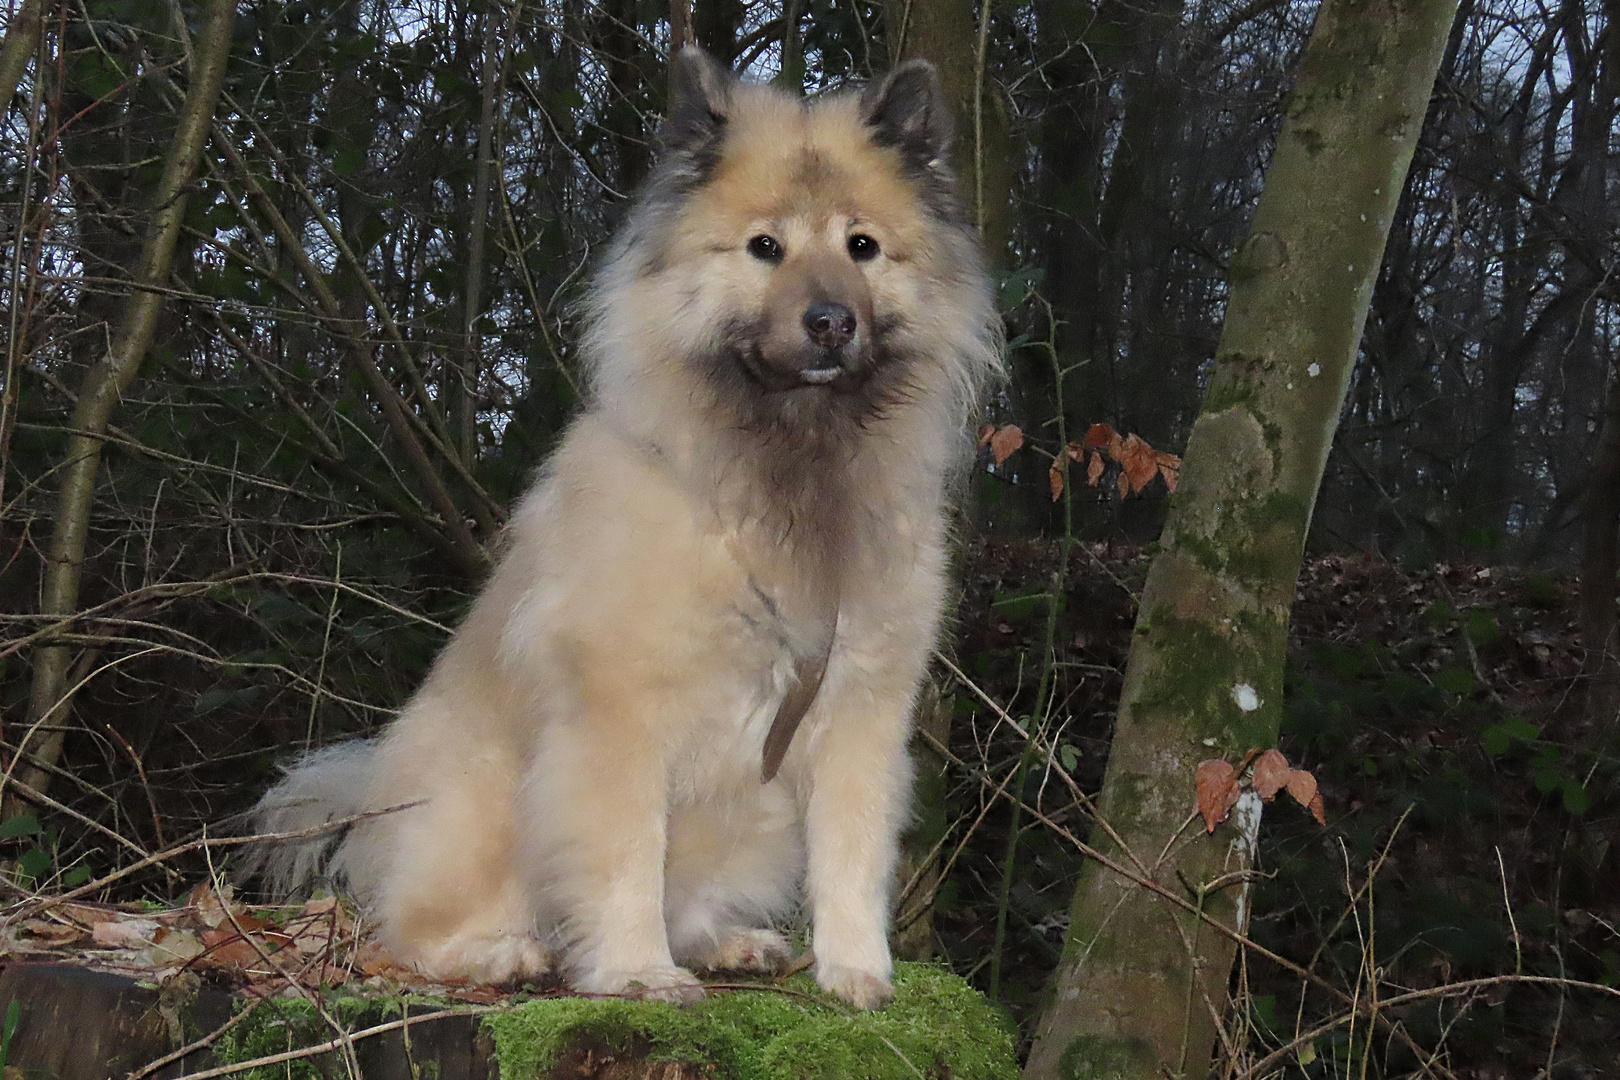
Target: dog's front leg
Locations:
point(860, 781)
point(600, 813)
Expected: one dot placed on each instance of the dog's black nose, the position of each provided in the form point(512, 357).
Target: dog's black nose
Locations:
point(829, 325)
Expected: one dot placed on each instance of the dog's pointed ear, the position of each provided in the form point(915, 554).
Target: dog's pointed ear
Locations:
point(908, 110)
point(699, 100)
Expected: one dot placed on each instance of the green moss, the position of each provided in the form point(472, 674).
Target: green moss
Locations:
point(281, 1024)
point(936, 1026)
point(1227, 390)
point(1097, 1057)
point(1199, 666)
point(1203, 551)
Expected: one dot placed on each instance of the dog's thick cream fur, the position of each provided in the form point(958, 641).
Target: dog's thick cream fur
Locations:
point(584, 759)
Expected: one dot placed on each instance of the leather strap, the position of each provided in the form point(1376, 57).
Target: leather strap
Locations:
point(809, 672)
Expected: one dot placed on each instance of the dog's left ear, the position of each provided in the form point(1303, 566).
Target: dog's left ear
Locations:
point(908, 110)
point(699, 100)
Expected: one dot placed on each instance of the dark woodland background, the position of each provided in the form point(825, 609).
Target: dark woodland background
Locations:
point(273, 557)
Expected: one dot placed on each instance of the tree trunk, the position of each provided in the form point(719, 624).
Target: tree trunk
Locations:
point(715, 23)
point(106, 381)
point(1600, 562)
point(472, 358)
point(22, 38)
point(944, 33)
point(1142, 985)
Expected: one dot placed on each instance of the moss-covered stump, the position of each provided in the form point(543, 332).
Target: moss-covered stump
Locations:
point(78, 1024)
point(937, 1027)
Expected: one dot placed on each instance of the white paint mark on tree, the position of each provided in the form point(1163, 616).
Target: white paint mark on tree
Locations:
point(1246, 820)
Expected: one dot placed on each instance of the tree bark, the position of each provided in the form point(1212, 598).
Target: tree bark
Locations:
point(1141, 988)
point(472, 359)
point(22, 38)
point(106, 381)
point(1600, 562)
point(944, 33)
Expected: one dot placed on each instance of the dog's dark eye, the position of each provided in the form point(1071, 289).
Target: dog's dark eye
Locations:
point(862, 248)
point(765, 247)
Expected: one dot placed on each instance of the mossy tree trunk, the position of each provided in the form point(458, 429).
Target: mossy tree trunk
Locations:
point(22, 39)
point(105, 381)
point(1142, 985)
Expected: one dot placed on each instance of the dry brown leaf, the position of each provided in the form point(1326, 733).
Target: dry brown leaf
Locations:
point(124, 933)
point(172, 947)
point(372, 959)
point(87, 915)
point(242, 920)
point(1137, 459)
point(1270, 774)
point(1302, 786)
point(1005, 442)
point(1098, 436)
point(54, 933)
point(984, 435)
point(1169, 476)
point(211, 907)
point(228, 949)
point(1054, 477)
point(1076, 452)
point(1122, 484)
point(1095, 469)
point(1218, 790)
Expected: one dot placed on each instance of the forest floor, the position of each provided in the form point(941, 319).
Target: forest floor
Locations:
point(1472, 843)
point(1441, 711)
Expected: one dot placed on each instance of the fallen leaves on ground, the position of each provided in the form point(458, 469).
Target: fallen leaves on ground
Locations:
point(264, 950)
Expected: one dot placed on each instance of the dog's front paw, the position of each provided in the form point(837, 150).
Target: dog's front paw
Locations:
point(651, 984)
point(862, 989)
point(483, 958)
point(747, 949)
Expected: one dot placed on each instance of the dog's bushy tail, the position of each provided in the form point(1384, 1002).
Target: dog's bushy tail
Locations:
point(326, 785)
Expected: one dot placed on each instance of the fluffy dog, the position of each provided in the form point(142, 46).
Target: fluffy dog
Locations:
point(684, 695)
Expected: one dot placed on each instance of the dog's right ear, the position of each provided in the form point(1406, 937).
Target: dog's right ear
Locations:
point(699, 100)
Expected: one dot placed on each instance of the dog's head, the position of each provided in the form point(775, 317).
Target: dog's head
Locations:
point(803, 256)
point(809, 208)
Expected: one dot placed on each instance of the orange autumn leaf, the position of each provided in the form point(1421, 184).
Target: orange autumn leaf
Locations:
point(1169, 476)
point(1122, 484)
point(984, 435)
point(1302, 786)
point(229, 949)
point(1094, 471)
point(1098, 436)
point(1005, 442)
point(1054, 476)
point(1270, 774)
point(1075, 451)
point(1218, 790)
point(1138, 461)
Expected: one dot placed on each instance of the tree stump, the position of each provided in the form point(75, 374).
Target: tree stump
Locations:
point(77, 1023)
